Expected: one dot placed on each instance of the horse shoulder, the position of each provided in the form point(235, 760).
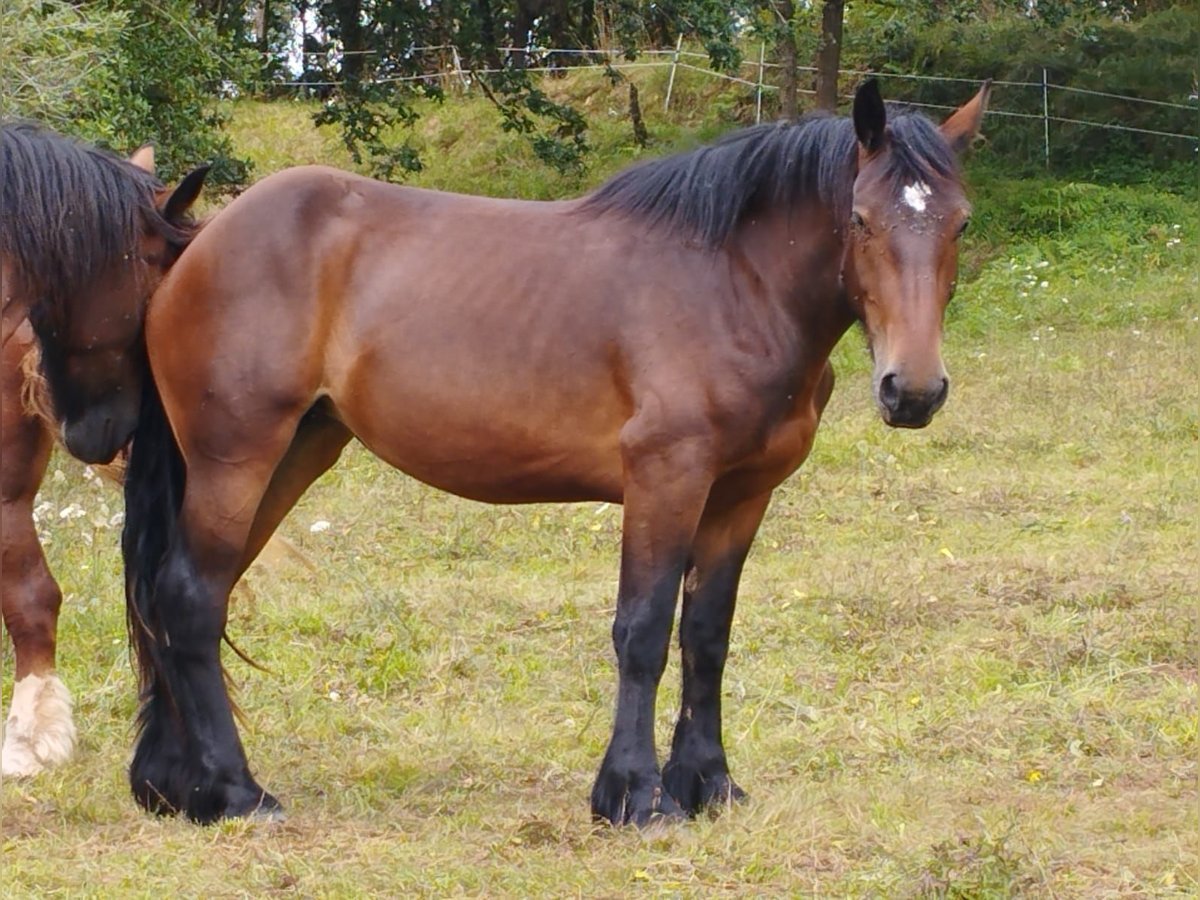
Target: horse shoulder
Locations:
point(785, 439)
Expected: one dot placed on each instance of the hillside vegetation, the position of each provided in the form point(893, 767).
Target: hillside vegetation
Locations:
point(964, 662)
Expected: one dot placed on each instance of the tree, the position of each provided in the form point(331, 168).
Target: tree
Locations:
point(829, 54)
point(785, 43)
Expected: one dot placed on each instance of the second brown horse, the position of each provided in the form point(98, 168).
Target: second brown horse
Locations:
point(661, 343)
point(77, 225)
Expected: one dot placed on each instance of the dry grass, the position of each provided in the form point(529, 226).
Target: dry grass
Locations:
point(964, 665)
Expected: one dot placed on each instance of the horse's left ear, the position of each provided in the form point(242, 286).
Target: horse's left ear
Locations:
point(185, 194)
point(143, 158)
point(960, 129)
point(870, 116)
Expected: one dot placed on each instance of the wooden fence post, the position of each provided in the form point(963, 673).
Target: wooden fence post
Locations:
point(671, 79)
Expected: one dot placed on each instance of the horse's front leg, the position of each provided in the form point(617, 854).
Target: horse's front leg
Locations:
point(40, 731)
point(665, 492)
point(697, 773)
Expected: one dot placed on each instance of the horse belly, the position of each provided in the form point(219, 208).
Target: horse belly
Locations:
point(487, 438)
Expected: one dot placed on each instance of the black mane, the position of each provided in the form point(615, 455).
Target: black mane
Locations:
point(705, 193)
point(68, 212)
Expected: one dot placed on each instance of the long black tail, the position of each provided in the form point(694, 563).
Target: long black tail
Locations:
point(154, 486)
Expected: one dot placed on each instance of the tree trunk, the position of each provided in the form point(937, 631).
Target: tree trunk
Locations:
point(786, 49)
point(829, 55)
point(262, 25)
point(587, 24)
point(526, 14)
point(350, 30)
point(635, 116)
point(487, 34)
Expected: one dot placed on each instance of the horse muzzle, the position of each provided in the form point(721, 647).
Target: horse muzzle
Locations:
point(903, 404)
point(96, 438)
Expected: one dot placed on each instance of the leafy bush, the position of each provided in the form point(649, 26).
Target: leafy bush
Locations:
point(51, 57)
point(1152, 57)
point(121, 74)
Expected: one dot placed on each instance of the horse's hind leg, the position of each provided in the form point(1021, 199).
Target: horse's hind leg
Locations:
point(189, 757)
point(39, 730)
point(319, 441)
point(697, 773)
point(229, 512)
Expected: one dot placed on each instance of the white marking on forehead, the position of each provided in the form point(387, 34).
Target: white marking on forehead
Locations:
point(915, 194)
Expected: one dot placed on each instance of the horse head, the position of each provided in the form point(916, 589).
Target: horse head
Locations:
point(91, 338)
point(900, 268)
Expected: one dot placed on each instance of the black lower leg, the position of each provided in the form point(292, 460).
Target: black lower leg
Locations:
point(697, 772)
point(628, 788)
point(189, 758)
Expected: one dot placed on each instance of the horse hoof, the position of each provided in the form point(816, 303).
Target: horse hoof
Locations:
point(274, 816)
point(40, 733)
point(261, 808)
point(696, 792)
point(633, 800)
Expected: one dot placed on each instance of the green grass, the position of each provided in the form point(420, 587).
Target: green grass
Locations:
point(964, 664)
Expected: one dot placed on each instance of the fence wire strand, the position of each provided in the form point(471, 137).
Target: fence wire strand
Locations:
point(674, 59)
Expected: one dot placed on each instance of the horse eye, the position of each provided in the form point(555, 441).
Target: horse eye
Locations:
point(858, 221)
point(963, 227)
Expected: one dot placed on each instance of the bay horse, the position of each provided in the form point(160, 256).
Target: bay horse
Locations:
point(662, 342)
point(83, 227)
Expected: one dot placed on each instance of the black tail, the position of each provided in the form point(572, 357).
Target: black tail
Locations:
point(154, 486)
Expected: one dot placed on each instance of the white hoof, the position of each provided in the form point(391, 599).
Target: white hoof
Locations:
point(40, 732)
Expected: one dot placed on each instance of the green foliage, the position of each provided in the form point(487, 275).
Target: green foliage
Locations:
point(51, 57)
point(368, 115)
point(1150, 57)
point(363, 45)
point(1045, 253)
point(122, 74)
point(519, 99)
point(169, 66)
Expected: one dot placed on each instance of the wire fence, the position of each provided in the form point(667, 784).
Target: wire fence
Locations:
point(543, 60)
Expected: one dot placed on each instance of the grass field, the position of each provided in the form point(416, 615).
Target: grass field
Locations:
point(964, 665)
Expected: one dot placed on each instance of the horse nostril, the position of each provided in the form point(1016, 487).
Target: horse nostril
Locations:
point(943, 392)
point(889, 393)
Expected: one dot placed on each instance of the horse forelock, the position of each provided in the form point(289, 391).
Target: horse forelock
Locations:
point(706, 193)
point(70, 213)
point(918, 155)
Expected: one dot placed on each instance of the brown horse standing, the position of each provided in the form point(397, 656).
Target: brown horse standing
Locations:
point(662, 343)
point(80, 224)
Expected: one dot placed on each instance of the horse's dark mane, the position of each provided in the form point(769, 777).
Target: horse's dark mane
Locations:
point(69, 211)
point(705, 193)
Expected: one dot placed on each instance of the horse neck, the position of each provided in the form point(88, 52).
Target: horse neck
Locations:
point(796, 256)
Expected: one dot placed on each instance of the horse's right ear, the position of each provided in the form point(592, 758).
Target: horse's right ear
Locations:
point(870, 117)
point(143, 158)
point(185, 194)
point(963, 125)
